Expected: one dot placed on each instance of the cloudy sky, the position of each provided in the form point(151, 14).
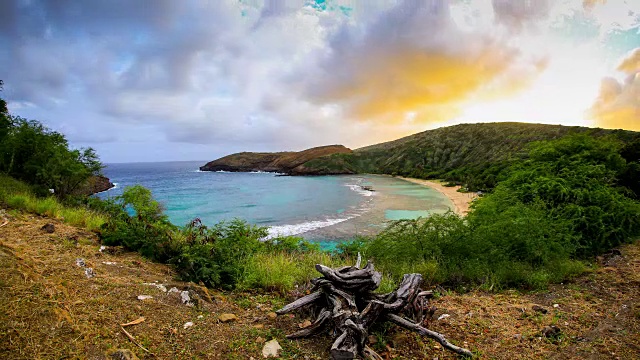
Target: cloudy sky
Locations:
point(153, 80)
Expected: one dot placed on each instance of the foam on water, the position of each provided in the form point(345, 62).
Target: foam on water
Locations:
point(297, 229)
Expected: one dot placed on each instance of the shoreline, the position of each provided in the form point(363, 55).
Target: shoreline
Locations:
point(461, 201)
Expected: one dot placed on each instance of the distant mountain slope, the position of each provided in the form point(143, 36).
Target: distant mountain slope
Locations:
point(284, 162)
point(472, 154)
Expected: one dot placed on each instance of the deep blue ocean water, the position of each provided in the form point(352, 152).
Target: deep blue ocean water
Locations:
point(316, 207)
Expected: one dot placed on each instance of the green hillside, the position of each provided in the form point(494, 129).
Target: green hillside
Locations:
point(470, 154)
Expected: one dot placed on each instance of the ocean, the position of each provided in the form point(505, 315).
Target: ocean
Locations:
point(326, 209)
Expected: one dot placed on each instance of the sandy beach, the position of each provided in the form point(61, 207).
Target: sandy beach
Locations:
point(461, 201)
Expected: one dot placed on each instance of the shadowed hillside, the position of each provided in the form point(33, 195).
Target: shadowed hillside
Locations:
point(284, 162)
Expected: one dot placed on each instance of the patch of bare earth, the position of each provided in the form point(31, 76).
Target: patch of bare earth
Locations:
point(50, 309)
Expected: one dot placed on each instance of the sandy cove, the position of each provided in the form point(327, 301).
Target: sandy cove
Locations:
point(461, 200)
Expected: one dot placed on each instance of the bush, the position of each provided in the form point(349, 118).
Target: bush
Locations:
point(561, 205)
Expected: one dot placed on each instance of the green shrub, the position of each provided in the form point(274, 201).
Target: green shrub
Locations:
point(282, 271)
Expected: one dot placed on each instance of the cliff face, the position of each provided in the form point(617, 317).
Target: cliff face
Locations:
point(283, 162)
point(94, 185)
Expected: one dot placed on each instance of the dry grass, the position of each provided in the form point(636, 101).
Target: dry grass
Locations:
point(50, 310)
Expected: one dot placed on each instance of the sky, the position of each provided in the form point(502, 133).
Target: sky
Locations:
point(164, 80)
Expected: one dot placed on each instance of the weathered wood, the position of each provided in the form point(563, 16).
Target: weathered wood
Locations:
point(347, 303)
point(313, 329)
point(370, 354)
point(429, 333)
point(303, 301)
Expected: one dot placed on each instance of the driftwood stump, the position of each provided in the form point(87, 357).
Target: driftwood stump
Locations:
point(347, 305)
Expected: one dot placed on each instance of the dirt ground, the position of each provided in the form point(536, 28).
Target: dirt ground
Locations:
point(50, 309)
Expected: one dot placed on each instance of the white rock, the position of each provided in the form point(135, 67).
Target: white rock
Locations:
point(271, 349)
point(173, 290)
point(144, 297)
point(80, 262)
point(443, 316)
point(184, 297)
point(200, 316)
point(109, 262)
point(556, 305)
point(102, 247)
point(187, 325)
point(89, 273)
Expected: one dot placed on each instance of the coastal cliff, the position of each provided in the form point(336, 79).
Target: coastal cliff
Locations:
point(291, 163)
point(94, 185)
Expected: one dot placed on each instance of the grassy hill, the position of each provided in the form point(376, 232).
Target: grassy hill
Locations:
point(471, 154)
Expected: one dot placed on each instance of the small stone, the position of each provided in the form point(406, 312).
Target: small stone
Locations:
point(260, 340)
point(123, 354)
point(540, 309)
point(227, 318)
point(184, 297)
point(48, 228)
point(443, 316)
point(272, 315)
point(144, 297)
point(271, 349)
point(89, 273)
point(556, 306)
point(304, 324)
point(80, 262)
point(173, 290)
point(187, 325)
point(200, 316)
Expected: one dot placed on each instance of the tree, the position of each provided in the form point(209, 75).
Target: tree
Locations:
point(31, 152)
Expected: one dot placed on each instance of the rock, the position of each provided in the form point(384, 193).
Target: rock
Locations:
point(540, 309)
point(260, 340)
point(89, 273)
point(271, 349)
point(556, 305)
point(48, 228)
point(200, 316)
point(272, 315)
point(201, 291)
point(551, 331)
point(227, 318)
point(186, 299)
point(144, 297)
point(174, 290)
point(304, 324)
point(187, 325)
point(443, 316)
point(80, 262)
point(123, 354)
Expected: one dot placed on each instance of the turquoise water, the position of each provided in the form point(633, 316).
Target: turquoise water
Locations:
point(320, 208)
